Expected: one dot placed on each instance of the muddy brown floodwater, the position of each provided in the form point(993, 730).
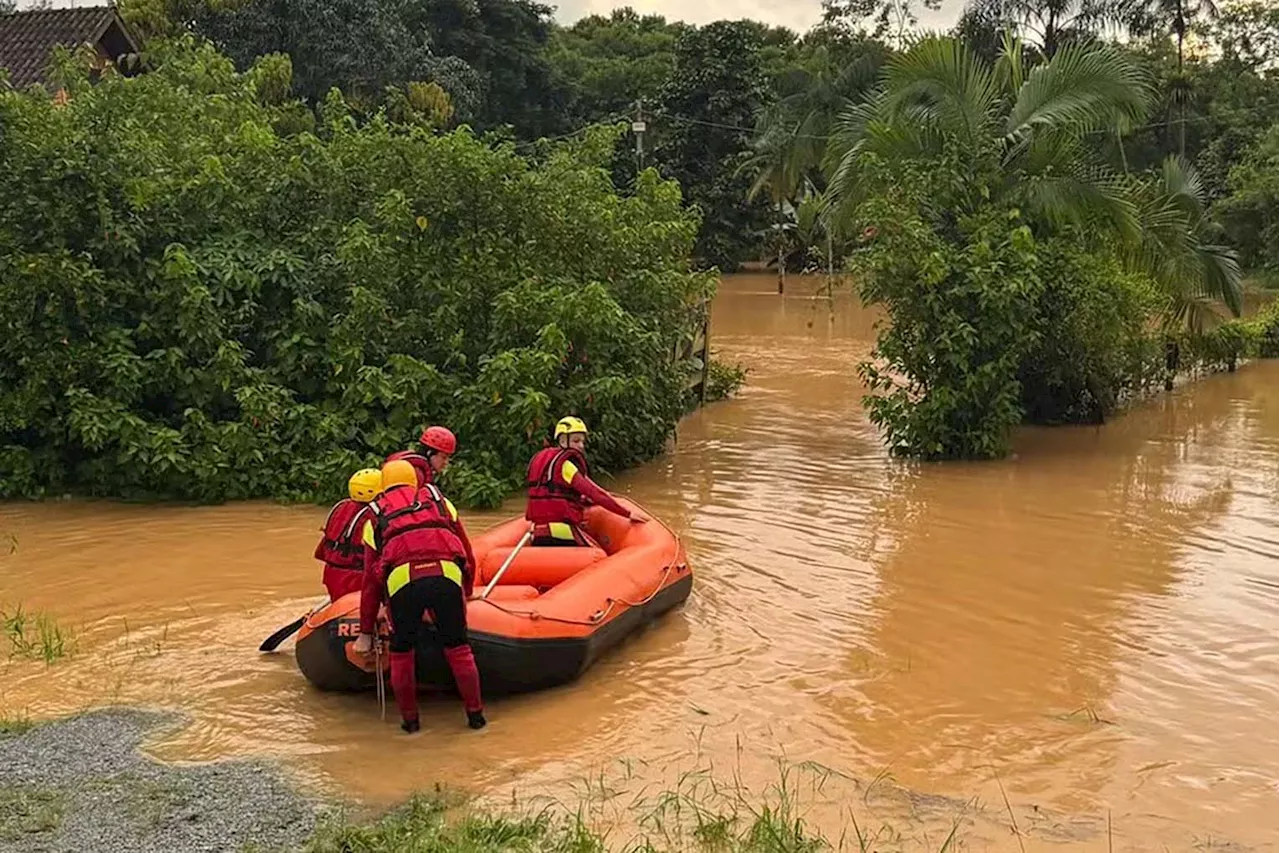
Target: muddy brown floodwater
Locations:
point(1088, 628)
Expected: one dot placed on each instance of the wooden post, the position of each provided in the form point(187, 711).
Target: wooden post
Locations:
point(706, 354)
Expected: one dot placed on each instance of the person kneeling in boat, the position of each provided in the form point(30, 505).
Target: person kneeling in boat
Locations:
point(418, 556)
point(560, 489)
point(340, 548)
point(434, 441)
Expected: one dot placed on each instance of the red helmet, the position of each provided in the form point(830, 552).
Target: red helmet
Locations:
point(439, 438)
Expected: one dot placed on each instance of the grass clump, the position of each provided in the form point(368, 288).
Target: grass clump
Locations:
point(26, 810)
point(14, 723)
point(698, 818)
point(35, 636)
point(422, 824)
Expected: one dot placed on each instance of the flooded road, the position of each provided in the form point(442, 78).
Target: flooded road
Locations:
point(1088, 628)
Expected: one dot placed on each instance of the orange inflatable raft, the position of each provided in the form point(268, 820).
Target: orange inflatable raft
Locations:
point(553, 613)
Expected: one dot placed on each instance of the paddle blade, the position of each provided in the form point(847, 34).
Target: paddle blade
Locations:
point(270, 643)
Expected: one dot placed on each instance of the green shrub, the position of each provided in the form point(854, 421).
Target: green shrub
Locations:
point(724, 380)
point(1249, 213)
point(1265, 323)
point(1095, 346)
point(1218, 349)
point(960, 302)
point(204, 300)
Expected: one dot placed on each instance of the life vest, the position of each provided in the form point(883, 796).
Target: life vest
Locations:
point(417, 460)
point(416, 536)
point(549, 500)
point(340, 544)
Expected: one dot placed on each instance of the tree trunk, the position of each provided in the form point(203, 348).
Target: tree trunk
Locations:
point(782, 262)
point(1181, 25)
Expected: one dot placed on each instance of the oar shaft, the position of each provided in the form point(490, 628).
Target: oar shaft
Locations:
point(528, 534)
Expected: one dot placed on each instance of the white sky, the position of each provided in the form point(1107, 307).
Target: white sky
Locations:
point(798, 15)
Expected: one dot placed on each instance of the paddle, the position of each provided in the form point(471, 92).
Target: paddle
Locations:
point(270, 643)
point(528, 534)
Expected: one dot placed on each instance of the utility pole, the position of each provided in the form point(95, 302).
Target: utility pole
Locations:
point(638, 128)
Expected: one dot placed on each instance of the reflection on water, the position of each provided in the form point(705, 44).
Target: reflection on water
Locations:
point(1089, 626)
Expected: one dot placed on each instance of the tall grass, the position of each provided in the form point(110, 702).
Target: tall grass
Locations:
point(14, 723)
point(699, 814)
point(31, 635)
point(36, 636)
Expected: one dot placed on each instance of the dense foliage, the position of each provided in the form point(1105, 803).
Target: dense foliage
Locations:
point(200, 306)
point(1055, 218)
point(1019, 271)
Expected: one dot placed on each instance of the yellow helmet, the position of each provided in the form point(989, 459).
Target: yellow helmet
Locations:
point(365, 484)
point(570, 424)
point(398, 472)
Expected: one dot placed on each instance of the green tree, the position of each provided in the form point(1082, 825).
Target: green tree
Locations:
point(1249, 213)
point(606, 64)
point(970, 179)
point(707, 109)
point(505, 41)
point(826, 79)
point(891, 20)
point(1048, 25)
point(201, 307)
point(777, 166)
point(1178, 248)
point(1038, 125)
point(1176, 17)
point(359, 46)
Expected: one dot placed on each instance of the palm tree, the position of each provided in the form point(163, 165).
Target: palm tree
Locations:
point(1149, 17)
point(1049, 24)
point(778, 163)
point(816, 92)
point(1039, 124)
point(792, 132)
point(1196, 274)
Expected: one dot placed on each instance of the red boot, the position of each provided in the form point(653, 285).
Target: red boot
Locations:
point(463, 664)
point(404, 683)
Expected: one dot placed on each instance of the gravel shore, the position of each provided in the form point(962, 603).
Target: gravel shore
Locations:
point(81, 785)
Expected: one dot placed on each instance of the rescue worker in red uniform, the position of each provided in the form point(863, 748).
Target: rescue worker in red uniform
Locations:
point(434, 439)
point(418, 557)
point(560, 489)
point(340, 547)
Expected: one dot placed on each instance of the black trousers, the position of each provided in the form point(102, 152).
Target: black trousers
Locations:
point(443, 598)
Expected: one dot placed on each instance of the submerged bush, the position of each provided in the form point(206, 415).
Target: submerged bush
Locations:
point(960, 309)
point(200, 306)
point(1022, 276)
point(1097, 345)
point(1266, 323)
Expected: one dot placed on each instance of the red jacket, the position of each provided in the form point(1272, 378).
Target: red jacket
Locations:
point(560, 488)
point(418, 527)
point(339, 544)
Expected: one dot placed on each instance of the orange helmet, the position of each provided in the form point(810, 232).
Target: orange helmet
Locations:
point(398, 472)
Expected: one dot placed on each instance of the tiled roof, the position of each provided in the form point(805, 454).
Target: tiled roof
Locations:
point(27, 39)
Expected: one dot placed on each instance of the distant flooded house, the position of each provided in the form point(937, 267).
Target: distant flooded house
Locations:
point(29, 38)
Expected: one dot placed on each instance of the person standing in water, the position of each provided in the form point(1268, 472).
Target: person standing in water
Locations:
point(560, 488)
point(340, 548)
point(418, 557)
